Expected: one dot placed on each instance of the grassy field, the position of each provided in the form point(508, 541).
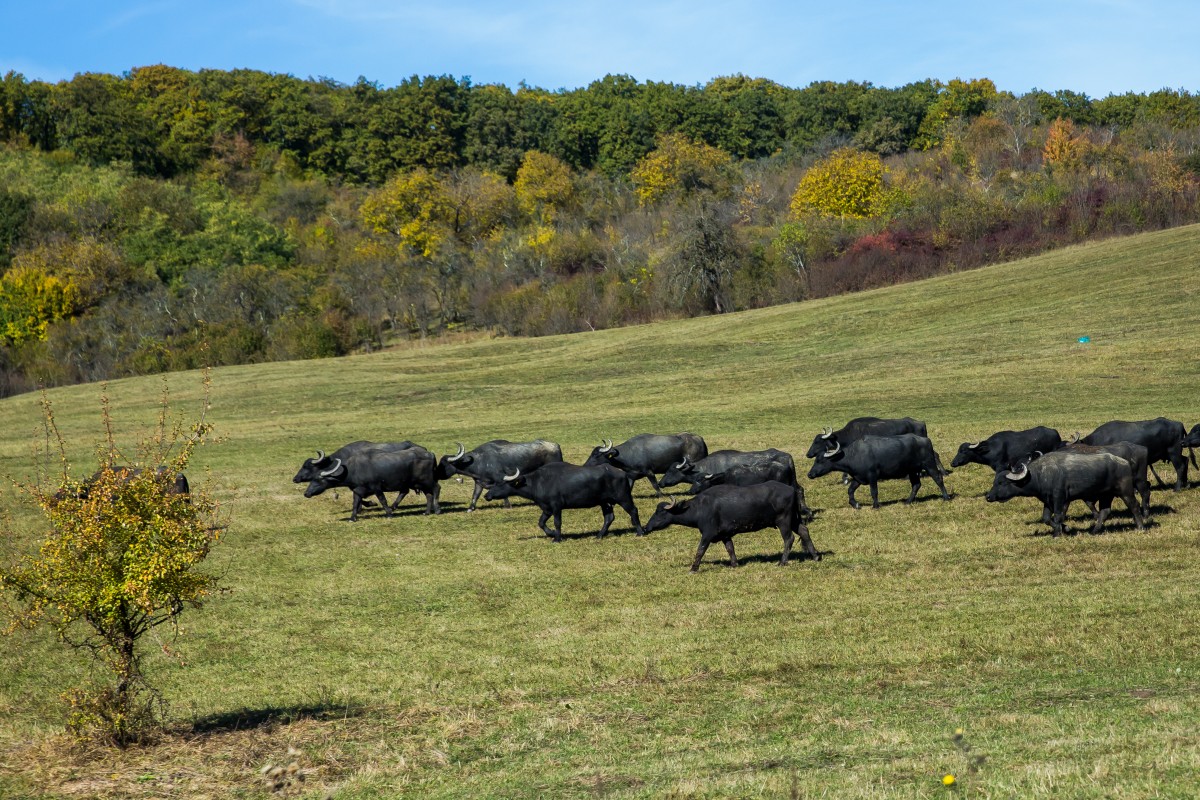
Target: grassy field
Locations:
point(468, 656)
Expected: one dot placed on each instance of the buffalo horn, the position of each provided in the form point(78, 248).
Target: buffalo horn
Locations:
point(337, 464)
point(1075, 437)
point(837, 448)
point(826, 433)
point(1018, 476)
point(973, 446)
point(514, 476)
point(670, 503)
point(461, 451)
point(605, 445)
point(320, 455)
point(708, 476)
point(682, 464)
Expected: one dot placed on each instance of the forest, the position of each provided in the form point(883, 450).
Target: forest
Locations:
point(166, 219)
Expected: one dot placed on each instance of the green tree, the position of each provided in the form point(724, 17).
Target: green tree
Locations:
point(121, 558)
point(958, 99)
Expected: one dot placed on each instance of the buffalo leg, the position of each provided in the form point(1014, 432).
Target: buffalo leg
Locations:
point(729, 549)
point(806, 540)
point(938, 478)
point(654, 482)
point(1058, 518)
point(1181, 468)
point(915, 480)
point(1143, 489)
point(609, 516)
point(874, 493)
point(432, 506)
point(475, 496)
point(1161, 483)
point(558, 525)
point(788, 539)
point(355, 507)
point(542, 523)
point(1103, 509)
point(631, 509)
point(852, 488)
point(699, 554)
point(383, 503)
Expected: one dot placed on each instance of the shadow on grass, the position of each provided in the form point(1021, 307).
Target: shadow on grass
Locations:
point(256, 718)
point(613, 531)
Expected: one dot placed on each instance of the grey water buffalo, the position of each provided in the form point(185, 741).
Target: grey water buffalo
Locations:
point(1002, 450)
point(558, 485)
point(776, 465)
point(488, 463)
point(855, 429)
point(1060, 477)
point(1163, 439)
point(373, 472)
point(691, 471)
point(1138, 458)
point(875, 458)
point(723, 511)
point(649, 455)
point(314, 466)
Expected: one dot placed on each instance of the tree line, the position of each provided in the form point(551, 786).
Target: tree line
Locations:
point(164, 218)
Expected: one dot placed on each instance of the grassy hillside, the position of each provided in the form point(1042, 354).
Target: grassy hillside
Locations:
point(468, 656)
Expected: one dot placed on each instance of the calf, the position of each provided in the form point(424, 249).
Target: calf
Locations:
point(558, 485)
point(724, 511)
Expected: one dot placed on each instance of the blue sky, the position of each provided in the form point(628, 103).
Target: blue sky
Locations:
point(1094, 46)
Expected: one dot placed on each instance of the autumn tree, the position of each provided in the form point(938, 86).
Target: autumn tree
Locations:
point(121, 558)
point(30, 300)
point(677, 167)
point(543, 186)
point(1065, 149)
point(846, 184)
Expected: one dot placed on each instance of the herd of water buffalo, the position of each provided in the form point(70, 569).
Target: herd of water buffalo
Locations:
point(736, 491)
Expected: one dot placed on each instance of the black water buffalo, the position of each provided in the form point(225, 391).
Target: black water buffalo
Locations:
point(1062, 476)
point(559, 485)
point(721, 512)
point(491, 461)
point(1135, 454)
point(314, 466)
point(875, 458)
point(1193, 440)
point(179, 484)
point(1002, 450)
point(721, 461)
point(377, 471)
point(855, 429)
point(649, 455)
point(779, 466)
point(1163, 439)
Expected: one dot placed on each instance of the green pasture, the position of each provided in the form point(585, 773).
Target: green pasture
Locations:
point(466, 655)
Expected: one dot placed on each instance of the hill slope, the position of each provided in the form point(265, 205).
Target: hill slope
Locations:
point(465, 655)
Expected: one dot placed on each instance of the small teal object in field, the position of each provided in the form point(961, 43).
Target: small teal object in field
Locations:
point(1084, 339)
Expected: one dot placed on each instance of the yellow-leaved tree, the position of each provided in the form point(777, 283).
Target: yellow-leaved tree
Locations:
point(30, 299)
point(121, 557)
point(543, 186)
point(677, 167)
point(847, 184)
